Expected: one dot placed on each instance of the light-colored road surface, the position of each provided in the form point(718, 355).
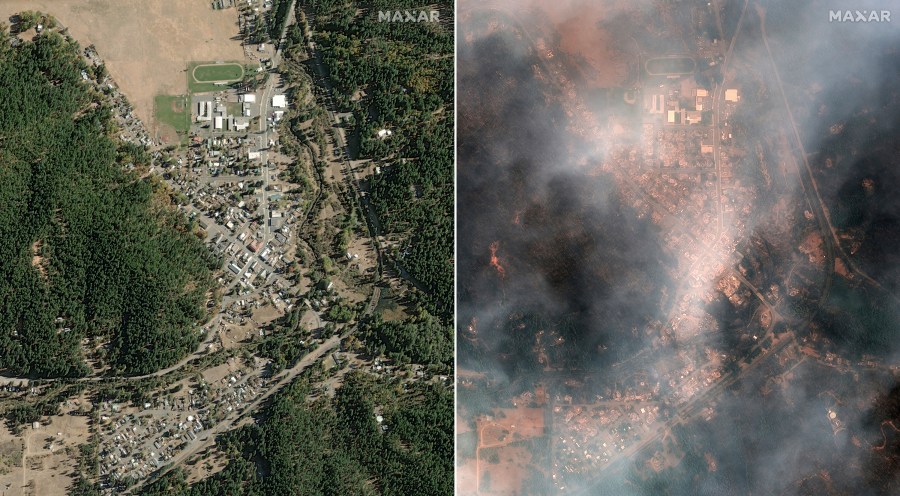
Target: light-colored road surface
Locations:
point(807, 174)
point(264, 132)
point(687, 410)
point(718, 97)
point(346, 167)
point(207, 438)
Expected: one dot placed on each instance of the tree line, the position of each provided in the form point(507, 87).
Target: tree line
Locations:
point(372, 438)
point(399, 76)
point(88, 249)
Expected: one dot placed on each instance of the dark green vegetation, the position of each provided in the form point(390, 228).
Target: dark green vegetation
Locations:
point(860, 320)
point(217, 72)
point(405, 71)
point(305, 442)
point(42, 401)
point(173, 111)
point(277, 17)
point(286, 341)
point(336, 446)
point(423, 340)
point(87, 470)
point(87, 248)
point(29, 19)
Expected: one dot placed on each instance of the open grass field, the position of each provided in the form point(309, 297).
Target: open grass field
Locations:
point(173, 114)
point(204, 77)
point(146, 44)
point(207, 73)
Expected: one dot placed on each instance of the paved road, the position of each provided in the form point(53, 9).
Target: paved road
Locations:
point(198, 353)
point(207, 438)
point(832, 242)
point(686, 411)
point(718, 97)
point(213, 228)
point(347, 169)
point(264, 132)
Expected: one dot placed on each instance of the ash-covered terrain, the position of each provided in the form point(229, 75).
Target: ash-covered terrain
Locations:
point(677, 248)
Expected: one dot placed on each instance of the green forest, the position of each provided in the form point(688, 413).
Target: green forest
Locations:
point(277, 17)
point(94, 262)
point(422, 339)
point(337, 446)
point(405, 72)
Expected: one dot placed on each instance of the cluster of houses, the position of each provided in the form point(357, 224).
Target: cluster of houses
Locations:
point(224, 185)
point(132, 128)
point(137, 441)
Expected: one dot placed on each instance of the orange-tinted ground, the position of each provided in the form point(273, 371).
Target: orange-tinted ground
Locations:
point(580, 37)
point(505, 477)
point(511, 424)
point(501, 463)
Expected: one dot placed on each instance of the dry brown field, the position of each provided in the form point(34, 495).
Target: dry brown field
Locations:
point(146, 44)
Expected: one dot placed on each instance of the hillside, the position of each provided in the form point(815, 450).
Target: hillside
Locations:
point(93, 261)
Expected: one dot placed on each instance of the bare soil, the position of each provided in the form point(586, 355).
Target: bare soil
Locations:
point(37, 462)
point(505, 478)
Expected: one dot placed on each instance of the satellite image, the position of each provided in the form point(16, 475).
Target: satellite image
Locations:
point(226, 247)
point(678, 248)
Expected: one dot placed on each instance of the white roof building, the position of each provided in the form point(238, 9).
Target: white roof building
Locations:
point(279, 101)
point(241, 124)
point(217, 122)
point(204, 111)
point(247, 98)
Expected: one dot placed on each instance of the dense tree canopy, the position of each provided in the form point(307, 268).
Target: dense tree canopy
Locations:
point(405, 71)
point(277, 17)
point(337, 446)
point(87, 249)
point(423, 340)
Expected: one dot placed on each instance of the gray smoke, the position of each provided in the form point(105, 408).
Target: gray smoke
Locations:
point(579, 263)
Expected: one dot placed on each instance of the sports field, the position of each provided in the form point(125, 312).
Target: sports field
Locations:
point(665, 66)
point(146, 44)
point(173, 116)
point(207, 73)
point(203, 77)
